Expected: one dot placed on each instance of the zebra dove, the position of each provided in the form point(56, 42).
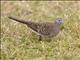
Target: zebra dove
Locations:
point(48, 29)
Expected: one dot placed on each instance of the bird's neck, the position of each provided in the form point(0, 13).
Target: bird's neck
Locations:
point(57, 24)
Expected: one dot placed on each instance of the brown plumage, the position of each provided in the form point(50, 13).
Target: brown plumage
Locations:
point(49, 29)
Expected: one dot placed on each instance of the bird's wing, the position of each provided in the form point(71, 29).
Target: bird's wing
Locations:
point(48, 29)
point(33, 25)
point(45, 29)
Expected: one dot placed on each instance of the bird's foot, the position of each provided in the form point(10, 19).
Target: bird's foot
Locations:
point(40, 37)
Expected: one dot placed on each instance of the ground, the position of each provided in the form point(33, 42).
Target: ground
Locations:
point(18, 42)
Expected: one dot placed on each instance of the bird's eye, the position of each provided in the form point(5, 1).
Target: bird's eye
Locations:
point(59, 20)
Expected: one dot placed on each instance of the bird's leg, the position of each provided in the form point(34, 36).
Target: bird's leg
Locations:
point(40, 37)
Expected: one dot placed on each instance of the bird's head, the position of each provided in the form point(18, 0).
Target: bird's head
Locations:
point(59, 21)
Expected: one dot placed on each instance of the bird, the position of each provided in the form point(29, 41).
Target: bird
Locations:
point(46, 29)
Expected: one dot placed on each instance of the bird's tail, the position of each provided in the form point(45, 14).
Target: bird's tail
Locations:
point(18, 20)
point(30, 24)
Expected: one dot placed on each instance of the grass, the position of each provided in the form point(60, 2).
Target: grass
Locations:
point(18, 42)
